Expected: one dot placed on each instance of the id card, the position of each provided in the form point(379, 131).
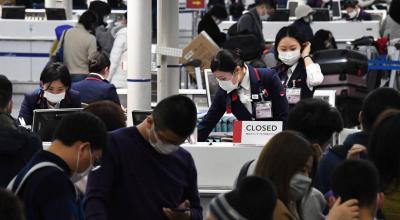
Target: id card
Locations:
point(293, 95)
point(263, 110)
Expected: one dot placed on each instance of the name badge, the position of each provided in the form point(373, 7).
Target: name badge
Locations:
point(293, 95)
point(263, 110)
point(254, 96)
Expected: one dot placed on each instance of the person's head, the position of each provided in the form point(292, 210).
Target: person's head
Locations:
point(5, 94)
point(304, 12)
point(288, 45)
point(351, 7)
point(375, 103)
point(227, 68)
point(11, 208)
point(264, 7)
point(253, 199)
point(89, 20)
point(384, 152)
point(288, 160)
point(316, 120)
point(81, 139)
point(357, 179)
point(218, 13)
point(55, 81)
point(394, 10)
point(171, 122)
point(323, 40)
point(110, 113)
point(100, 63)
point(102, 9)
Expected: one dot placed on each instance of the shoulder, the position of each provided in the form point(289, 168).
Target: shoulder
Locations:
point(73, 93)
point(282, 212)
point(34, 94)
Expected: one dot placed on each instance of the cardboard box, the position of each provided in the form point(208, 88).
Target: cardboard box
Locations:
point(202, 48)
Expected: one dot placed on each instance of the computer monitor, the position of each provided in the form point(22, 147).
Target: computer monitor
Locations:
point(13, 12)
point(321, 14)
point(280, 15)
point(212, 85)
point(138, 116)
point(336, 10)
point(56, 14)
point(292, 5)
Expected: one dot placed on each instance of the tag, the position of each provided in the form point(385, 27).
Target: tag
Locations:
point(254, 96)
point(293, 95)
point(263, 110)
point(124, 65)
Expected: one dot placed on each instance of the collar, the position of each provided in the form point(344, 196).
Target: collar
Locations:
point(49, 156)
point(98, 75)
point(293, 67)
point(245, 84)
point(6, 120)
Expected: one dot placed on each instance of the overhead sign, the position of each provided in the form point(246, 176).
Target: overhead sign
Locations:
point(195, 4)
point(255, 132)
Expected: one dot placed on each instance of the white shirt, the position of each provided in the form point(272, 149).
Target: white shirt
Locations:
point(244, 92)
point(314, 75)
point(96, 74)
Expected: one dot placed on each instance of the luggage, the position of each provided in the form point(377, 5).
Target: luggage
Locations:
point(345, 85)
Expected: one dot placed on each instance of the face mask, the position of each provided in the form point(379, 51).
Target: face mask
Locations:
point(352, 14)
point(308, 19)
point(328, 44)
point(78, 176)
point(289, 58)
point(299, 186)
point(264, 17)
point(54, 98)
point(160, 146)
point(227, 85)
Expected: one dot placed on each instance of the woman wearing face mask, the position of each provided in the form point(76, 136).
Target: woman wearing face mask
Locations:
point(297, 71)
point(54, 92)
point(323, 40)
point(246, 92)
point(354, 12)
point(288, 161)
point(304, 17)
point(210, 23)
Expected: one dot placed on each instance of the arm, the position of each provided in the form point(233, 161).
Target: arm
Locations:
point(314, 74)
point(280, 106)
point(112, 95)
point(92, 47)
point(26, 111)
point(116, 54)
point(245, 23)
point(191, 193)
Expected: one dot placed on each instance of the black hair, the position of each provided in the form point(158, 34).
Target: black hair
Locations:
point(356, 179)
point(267, 3)
point(226, 61)
point(350, 4)
point(384, 151)
point(98, 62)
point(82, 126)
point(11, 208)
point(109, 112)
point(5, 91)
point(54, 72)
point(376, 102)
point(176, 113)
point(318, 41)
point(101, 9)
point(219, 11)
point(394, 10)
point(89, 20)
point(315, 119)
point(288, 31)
point(126, 15)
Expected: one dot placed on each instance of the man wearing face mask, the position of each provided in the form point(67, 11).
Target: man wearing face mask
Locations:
point(146, 174)
point(354, 12)
point(46, 183)
point(248, 93)
point(210, 23)
point(304, 17)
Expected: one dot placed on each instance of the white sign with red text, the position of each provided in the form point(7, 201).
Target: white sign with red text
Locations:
point(255, 132)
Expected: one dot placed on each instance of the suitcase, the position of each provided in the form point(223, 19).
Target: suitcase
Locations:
point(341, 62)
point(346, 85)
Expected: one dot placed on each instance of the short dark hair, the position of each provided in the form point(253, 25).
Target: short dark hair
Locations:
point(315, 119)
point(384, 152)
point(5, 91)
point(356, 179)
point(376, 102)
point(101, 9)
point(11, 207)
point(226, 60)
point(350, 4)
point(267, 3)
point(219, 11)
point(110, 113)
point(54, 72)
point(89, 20)
point(98, 62)
point(82, 126)
point(176, 113)
point(288, 31)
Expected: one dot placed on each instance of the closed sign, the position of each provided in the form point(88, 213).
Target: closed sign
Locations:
point(255, 132)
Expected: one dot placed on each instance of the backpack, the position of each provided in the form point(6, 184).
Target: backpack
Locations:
point(57, 53)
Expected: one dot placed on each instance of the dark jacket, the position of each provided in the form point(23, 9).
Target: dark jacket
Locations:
point(17, 146)
point(35, 100)
point(93, 89)
point(362, 16)
point(208, 25)
point(305, 28)
point(251, 23)
point(274, 92)
point(300, 77)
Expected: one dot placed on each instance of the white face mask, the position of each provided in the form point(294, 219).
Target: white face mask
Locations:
point(160, 146)
point(308, 19)
point(78, 176)
point(54, 98)
point(227, 85)
point(289, 58)
point(352, 14)
point(299, 186)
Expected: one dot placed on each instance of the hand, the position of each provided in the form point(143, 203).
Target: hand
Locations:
point(346, 211)
point(354, 152)
point(306, 49)
point(171, 215)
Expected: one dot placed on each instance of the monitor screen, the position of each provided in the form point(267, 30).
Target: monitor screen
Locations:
point(280, 15)
point(45, 121)
point(212, 86)
point(13, 12)
point(56, 14)
point(336, 13)
point(321, 14)
point(140, 115)
point(292, 5)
